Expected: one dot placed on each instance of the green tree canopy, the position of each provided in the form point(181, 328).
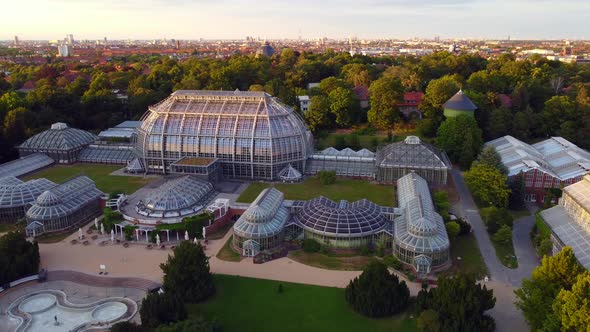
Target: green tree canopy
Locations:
point(344, 105)
point(385, 94)
point(572, 307)
point(491, 157)
point(187, 274)
point(461, 138)
point(157, 309)
point(536, 296)
point(376, 292)
point(487, 185)
point(317, 115)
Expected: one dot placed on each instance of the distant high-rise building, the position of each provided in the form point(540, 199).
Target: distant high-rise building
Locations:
point(16, 41)
point(64, 50)
point(70, 39)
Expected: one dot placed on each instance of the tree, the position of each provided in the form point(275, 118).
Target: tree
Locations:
point(487, 185)
point(495, 218)
point(489, 156)
point(461, 138)
point(437, 93)
point(18, 257)
point(572, 307)
point(517, 191)
point(327, 85)
point(317, 114)
point(187, 274)
point(453, 229)
point(327, 177)
point(500, 123)
point(344, 105)
point(376, 292)
point(157, 309)
point(558, 110)
point(126, 327)
point(15, 125)
point(385, 94)
point(460, 304)
point(503, 235)
point(428, 321)
point(190, 325)
point(535, 297)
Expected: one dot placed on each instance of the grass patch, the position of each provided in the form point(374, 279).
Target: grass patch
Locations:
point(348, 189)
point(466, 248)
point(517, 214)
point(246, 304)
point(98, 173)
point(227, 253)
point(11, 227)
point(330, 261)
point(505, 253)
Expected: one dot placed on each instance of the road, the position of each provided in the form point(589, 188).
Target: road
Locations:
point(502, 279)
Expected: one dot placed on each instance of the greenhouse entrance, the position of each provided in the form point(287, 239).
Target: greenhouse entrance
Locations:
point(251, 248)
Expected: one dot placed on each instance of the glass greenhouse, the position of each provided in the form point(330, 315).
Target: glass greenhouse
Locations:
point(261, 227)
point(179, 197)
point(17, 196)
point(398, 159)
point(60, 142)
point(64, 206)
point(345, 162)
point(290, 174)
point(342, 224)
point(107, 154)
point(252, 134)
point(420, 234)
point(25, 165)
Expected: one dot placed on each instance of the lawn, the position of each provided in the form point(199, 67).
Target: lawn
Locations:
point(331, 262)
point(227, 254)
point(466, 248)
point(505, 253)
point(98, 173)
point(348, 189)
point(246, 304)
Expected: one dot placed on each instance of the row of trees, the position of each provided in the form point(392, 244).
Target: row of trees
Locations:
point(522, 98)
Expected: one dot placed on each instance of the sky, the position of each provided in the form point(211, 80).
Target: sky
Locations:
point(236, 19)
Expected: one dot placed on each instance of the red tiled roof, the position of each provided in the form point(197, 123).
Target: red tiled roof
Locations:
point(412, 98)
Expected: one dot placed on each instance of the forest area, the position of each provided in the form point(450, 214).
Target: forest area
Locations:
point(529, 99)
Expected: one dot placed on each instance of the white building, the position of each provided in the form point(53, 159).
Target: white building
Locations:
point(64, 50)
point(304, 103)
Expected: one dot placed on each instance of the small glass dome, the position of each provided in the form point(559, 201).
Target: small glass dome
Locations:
point(180, 196)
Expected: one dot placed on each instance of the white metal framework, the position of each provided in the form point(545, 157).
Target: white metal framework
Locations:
point(411, 155)
point(25, 165)
point(419, 230)
point(345, 162)
point(290, 174)
point(262, 222)
point(251, 133)
point(16, 196)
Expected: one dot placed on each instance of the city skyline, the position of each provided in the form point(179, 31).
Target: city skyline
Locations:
point(235, 19)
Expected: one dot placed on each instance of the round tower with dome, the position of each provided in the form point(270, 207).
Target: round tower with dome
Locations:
point(459, 104)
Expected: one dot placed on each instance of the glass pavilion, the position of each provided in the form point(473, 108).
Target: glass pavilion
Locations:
point(253, 135)
point(420, 237)
point(64, 206)
point(179, 197)
point(62, 143)
point(17, 196)
point(341, 224)
point(411, 155)
point(25, 165)
point(261, 227)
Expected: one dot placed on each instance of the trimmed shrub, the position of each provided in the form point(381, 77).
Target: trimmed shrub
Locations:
point(327, 177)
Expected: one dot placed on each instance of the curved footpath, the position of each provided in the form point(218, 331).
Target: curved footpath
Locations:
point(502, 279)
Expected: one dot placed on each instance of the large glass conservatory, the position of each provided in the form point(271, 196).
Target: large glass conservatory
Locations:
point(341, 224)
point(252, 134)
point(17, 196)
point(261, 227)
point(60, 142)
point(63, 207)
point(420, 238)
point(180, 197)
point(411, 155)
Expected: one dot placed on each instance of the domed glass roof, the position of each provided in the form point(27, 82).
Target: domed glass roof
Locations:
point(48, 199)
point(343, 219)
point(265, 217)
point(59, 137)
point(14, 192)
point(180, 194)
point(419, 229)
point(250, 129)
point(460, 102)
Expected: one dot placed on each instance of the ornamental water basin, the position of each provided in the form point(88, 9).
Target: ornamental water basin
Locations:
point(50, 311)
